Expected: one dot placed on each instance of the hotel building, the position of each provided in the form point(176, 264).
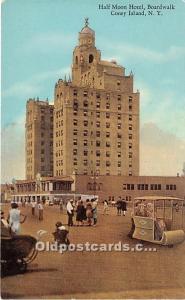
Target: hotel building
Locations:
point(39, 138)
point(96, 116)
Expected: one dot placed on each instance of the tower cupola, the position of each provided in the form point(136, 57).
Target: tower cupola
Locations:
point(86, 35)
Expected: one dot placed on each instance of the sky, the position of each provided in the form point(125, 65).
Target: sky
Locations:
point(38, 38)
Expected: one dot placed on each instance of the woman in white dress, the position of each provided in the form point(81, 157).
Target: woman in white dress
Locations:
point(15, 218)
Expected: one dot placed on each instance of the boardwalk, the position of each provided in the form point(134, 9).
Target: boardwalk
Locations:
point(153, 274)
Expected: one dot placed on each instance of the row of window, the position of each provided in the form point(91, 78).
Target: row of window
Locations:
point(85, 123)
point(148, 187)
point(59, 123)
point(98, 95)
point(98, 105)
point(85, 172)
point(59, 113)
point(98, 114)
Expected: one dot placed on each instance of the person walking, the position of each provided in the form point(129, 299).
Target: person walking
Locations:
point(94, 211)
point(40, 211)
point(61, 205)
point(80, 211)
point(105, 207)
point(33, 208)
point(70, 212)
point(119, 206)
point(124, 206)
point(89, 214)
point(14, 218)
point(5, 228)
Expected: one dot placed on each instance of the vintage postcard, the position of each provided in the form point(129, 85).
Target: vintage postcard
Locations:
point(93, 149)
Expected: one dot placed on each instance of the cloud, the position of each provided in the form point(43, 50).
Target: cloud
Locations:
point(34, 84)
point(49, 41)
point(132, 51)
point(161, 153)
point(13, 151)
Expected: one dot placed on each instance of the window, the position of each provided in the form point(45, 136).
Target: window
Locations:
point(91, 57)
point(130, 136)
point(75, 122)
point(107, 115)
point(42, 151)
point(130, 155)
point(98, 163)
point(75, 132)
point(119, 163)
point(107, 153)
point(85, 132)
point(119, 144)
point(119, 106)
point(85, 143)
point(97, 114)
point(85, 123)
point(107, 163)
point(119, 135)
point(98, 133)
point(107, 125)
point(119, 97)
point(98, 105)
point(85, 93)
point(107, 134)
point(75, 142)
point(107, 105)
point(97, 143)
point(107, 172)
point(97, 152)
point(97, 124)
point(98, 96)
point(75, 162)
point(108, 96)
point(130, 99)
point(119, 125)
point(130, 127)
point(171, 187)
point(85, 113)
point(119, 154)
point(119, 116)
point(85, 103)
point(74, 151)
point(85, 162)
point(118, 83)
point(75, 92)
point(130, 107)
point(130, 118)
point(130, 187)
point(85, 152)
point(107, 144)
point(130, 145)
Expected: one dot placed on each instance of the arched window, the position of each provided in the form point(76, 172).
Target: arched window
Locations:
point(91, 57)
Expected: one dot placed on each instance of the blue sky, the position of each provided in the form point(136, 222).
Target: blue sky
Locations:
point(38, 37)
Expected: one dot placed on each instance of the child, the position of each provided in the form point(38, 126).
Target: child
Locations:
point(61, 234)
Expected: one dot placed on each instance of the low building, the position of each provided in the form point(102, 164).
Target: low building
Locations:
point(41, 189)
point(7, 190)
point(129, 187)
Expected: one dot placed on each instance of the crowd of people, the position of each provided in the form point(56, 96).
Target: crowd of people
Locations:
point(86, 212)
point(80, 212)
